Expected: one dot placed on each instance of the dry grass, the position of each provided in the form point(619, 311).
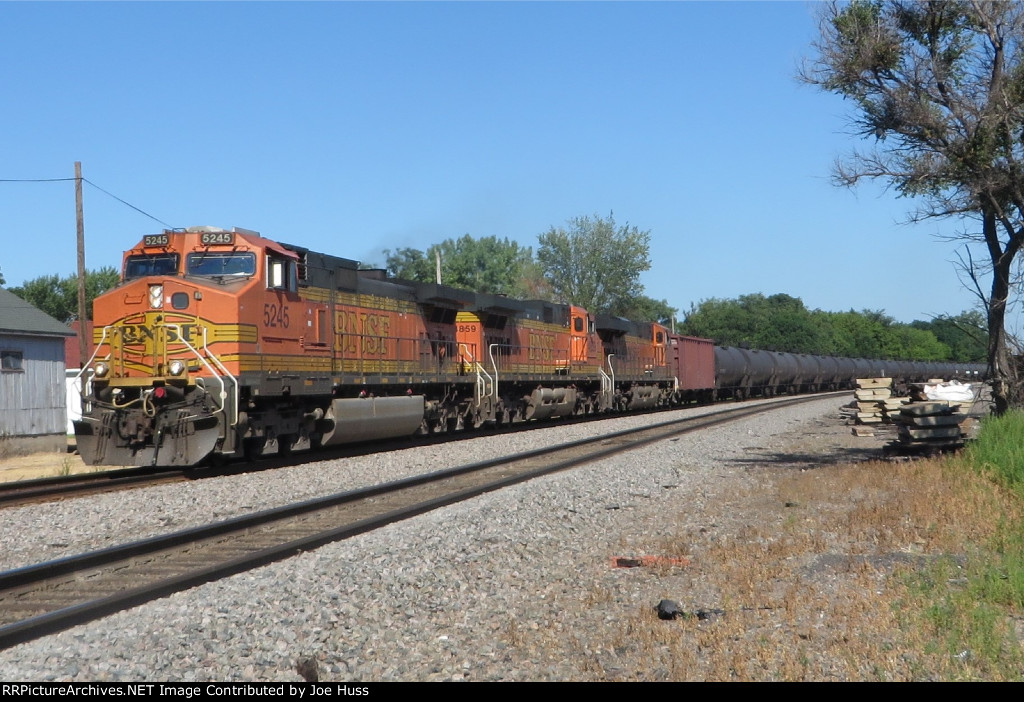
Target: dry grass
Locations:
point(853, 572)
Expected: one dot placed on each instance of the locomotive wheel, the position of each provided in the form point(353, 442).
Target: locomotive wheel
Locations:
point(475, 422)
point(284, 444)
point(252, 447)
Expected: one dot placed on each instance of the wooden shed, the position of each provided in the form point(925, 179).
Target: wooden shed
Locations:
point(33, 405)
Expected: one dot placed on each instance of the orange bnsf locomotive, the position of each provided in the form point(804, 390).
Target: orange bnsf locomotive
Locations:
point(226, 343)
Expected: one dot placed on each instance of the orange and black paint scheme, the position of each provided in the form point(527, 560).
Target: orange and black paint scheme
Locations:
point(221, 343)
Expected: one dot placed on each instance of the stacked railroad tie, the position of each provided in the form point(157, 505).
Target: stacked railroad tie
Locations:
point(931, 425)
point(934, 417)
point(942, 419)
point(875, 402)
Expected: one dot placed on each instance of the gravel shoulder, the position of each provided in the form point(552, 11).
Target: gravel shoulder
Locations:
point(517, 585)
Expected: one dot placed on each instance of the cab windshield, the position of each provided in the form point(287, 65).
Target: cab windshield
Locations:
point(154, 264)
point(214, 264)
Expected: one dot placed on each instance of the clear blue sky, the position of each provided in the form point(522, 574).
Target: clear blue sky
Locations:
point(350, 128)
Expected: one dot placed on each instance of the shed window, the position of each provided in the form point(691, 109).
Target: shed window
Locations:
point(11, 361)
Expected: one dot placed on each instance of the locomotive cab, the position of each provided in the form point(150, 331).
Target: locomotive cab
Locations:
point(165, 372)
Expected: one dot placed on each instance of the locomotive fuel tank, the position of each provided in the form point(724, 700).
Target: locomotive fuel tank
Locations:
point(351, 420)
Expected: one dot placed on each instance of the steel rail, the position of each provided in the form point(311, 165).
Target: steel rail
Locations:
point(19, 492)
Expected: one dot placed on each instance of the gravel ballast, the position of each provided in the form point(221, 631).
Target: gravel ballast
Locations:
point(462, 593)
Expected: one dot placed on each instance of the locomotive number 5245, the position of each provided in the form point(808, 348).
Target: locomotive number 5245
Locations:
point(274, 316)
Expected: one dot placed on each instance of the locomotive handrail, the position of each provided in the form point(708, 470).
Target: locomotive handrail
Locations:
point(608, 381)
point(225, 371)
point(86, 367)
point(494, 365)
point(481, 386)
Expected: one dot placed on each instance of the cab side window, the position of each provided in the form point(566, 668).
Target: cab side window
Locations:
point(281, 274)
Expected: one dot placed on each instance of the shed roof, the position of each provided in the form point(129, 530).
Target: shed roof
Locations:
point(19, 317)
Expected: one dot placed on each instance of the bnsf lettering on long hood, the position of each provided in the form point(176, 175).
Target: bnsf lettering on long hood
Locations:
point(362, 331)
point(542, 346)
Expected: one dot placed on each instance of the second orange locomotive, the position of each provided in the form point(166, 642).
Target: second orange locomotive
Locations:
point(224, 343)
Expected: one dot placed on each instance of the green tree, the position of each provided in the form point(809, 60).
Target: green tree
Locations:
point(533, 285)
point(58, 297)
point(782, 323)
point(2, 281)
point(728, 322)
point(486, 265)
point(778, 322)
point(409, 264)
point(857, 334)
point(965, 334)
point(919, 344)
point(595, 264)
point(939, 87)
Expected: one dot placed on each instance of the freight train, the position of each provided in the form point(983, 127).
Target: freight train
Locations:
point(222, 343)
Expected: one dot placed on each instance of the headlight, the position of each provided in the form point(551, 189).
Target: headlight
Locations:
point(100, 370)
point(156, 296)
point(176, 368)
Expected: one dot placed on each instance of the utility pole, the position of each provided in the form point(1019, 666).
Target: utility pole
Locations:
point(83, 343)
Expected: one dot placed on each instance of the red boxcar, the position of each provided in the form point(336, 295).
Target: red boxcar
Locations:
point(692, 361)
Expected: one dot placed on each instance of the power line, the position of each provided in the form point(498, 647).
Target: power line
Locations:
point(86, 180)
point(34, 180)
point(128, 204)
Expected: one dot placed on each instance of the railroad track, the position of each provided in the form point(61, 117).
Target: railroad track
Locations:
point(22, 492)
point(34, 491)
point(48, 597)
point(38, 490)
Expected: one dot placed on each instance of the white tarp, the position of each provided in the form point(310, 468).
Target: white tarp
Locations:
point(953, 391)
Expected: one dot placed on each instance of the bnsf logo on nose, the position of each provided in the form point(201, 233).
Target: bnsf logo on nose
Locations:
point(141, 333)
